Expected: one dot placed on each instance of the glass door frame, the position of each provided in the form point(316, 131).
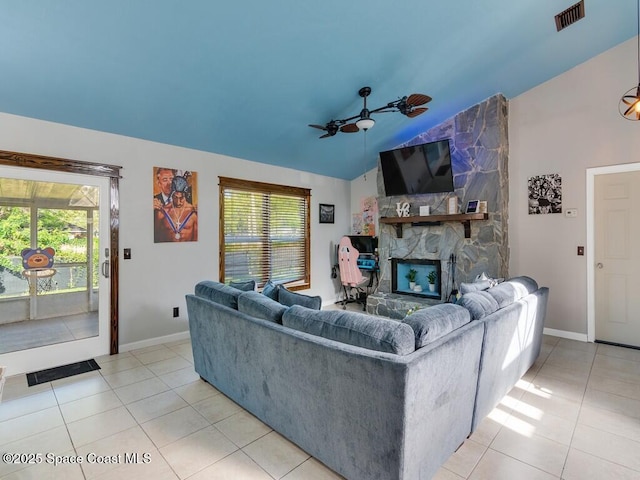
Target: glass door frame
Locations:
point(26, 160)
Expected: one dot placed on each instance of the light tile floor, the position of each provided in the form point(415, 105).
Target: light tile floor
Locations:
point(17, 336)
point(575, 415)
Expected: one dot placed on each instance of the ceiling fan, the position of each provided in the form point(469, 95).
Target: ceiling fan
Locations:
point(409, 106)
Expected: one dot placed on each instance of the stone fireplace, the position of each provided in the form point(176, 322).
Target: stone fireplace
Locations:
point(479, 152)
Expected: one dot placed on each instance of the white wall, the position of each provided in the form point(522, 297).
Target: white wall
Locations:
point(159, 275)
point(567, 125)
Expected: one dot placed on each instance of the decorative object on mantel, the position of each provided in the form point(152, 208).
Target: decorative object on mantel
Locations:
point(482, 207)
point(629, 104)
point(545, 194)
point(452, 205)
point(424, 210)
point(403, 209)
point(473, 206)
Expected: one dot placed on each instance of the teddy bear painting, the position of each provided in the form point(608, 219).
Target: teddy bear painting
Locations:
point(37, 258)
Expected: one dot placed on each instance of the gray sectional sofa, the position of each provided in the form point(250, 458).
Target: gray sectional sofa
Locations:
point(372, 398)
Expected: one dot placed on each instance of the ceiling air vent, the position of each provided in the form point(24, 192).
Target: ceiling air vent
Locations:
point(570, 16)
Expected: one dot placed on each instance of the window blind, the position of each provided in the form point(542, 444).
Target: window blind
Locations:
point(264, 233)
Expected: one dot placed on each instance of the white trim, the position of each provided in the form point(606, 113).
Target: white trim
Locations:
point(150, 342)
point(590, 252)
point(581, 337)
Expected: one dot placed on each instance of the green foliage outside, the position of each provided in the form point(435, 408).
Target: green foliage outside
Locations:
point(266, 231)
point(64, 230)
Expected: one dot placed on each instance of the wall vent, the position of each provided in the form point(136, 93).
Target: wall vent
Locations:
point(570, 16)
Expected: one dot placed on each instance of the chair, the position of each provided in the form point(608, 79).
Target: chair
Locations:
point(353, 282)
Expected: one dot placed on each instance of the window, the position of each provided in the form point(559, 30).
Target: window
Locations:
point(264, 233)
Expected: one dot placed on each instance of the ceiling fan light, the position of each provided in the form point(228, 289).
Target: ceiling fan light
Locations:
point(629, 105)
point(365, 123)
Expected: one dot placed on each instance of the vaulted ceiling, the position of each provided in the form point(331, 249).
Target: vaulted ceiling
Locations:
point(244, 78)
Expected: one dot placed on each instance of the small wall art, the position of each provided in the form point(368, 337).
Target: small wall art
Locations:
point(545, 194)
point(327, 213)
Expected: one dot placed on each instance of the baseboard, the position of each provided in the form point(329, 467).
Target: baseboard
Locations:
point(174, 337)
point(581, 337)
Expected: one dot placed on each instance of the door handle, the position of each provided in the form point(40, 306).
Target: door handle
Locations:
point(105, 269)
point(599, 265)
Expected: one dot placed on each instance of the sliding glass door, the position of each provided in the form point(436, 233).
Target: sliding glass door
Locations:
point(54, 268)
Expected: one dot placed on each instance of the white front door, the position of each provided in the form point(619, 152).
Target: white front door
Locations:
point(617, 259)
point(74, 286)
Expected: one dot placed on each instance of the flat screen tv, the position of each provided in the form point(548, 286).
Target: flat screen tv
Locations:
point(424, 168)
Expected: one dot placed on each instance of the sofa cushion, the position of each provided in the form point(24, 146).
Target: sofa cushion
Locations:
point(260, 306)
point(474, 286)
point(512, 290)
point(219, 293)
point(359, 329)
point(270, 289)
point(246, 286)
point(479, 304)
point(431, 323)
point(289, 298)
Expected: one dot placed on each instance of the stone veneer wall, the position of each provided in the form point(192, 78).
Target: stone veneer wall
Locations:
point(479, 152)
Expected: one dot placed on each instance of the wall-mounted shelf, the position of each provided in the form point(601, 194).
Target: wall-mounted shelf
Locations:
point(464, 218)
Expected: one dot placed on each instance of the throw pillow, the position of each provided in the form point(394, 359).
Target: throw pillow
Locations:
point(474, 286)
point(219, 293)
point(358, 329)
point(260, 306)
point(245, 286)
point(513, 290)
point(479, 304)
point(429, 324)
point(289, 298)
point(270, 289)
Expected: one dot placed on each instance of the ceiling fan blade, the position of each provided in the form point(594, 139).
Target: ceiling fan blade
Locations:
point(416, 99)
point(349, 128)
point(417, 111)
point(326, 135)
point(321, 127)
point(632, 106)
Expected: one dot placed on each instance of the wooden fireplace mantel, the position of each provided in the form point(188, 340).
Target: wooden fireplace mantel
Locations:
point(464, 218)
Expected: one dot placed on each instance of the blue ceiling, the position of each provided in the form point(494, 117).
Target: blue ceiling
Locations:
point(244, 78)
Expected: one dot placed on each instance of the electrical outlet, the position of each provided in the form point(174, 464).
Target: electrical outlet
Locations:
point(176, 312)
point(571, 212)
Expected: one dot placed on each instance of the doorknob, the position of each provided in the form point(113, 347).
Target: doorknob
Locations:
point(105, 269)
point(599, 265)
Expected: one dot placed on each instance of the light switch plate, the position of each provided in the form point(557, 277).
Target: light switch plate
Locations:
point(571, 212)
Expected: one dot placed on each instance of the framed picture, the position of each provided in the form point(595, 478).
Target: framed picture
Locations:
point(175, 205)
point(473, 206)
point(545, 194)
point(327, 213)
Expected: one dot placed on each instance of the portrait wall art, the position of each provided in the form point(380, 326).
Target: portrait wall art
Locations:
point(175, 205)
point(545, 194)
